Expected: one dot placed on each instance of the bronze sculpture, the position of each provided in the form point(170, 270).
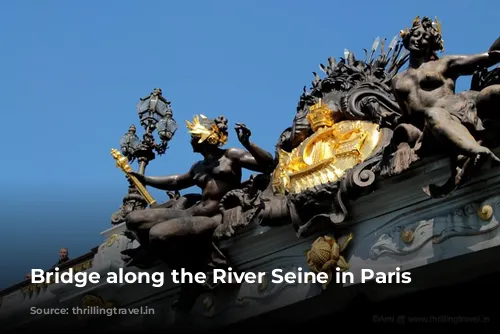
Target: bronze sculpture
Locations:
point(218, 173)
point(433, 113)
point(354, 92)
point(364, 121)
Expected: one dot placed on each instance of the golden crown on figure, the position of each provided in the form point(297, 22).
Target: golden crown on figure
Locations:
point(211, 134)
point(435, 24)
point(320, 116)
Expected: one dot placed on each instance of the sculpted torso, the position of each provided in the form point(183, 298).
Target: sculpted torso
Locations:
point(420, 89)
point(215, 177)
point(426, 94)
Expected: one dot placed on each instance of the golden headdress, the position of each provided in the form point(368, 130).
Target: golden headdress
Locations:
point(206, 132)
point(436, 25)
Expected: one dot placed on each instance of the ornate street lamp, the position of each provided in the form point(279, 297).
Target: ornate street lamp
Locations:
point(129, 143)
point(155, 113)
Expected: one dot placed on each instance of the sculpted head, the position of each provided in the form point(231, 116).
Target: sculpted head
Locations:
point(423, 38)
point(207, 133)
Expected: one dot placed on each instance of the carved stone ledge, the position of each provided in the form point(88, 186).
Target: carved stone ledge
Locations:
point(408, 238)
point(117, 229)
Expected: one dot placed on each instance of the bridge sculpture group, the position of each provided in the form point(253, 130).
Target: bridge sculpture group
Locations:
point(365, 121)
point(365, 125)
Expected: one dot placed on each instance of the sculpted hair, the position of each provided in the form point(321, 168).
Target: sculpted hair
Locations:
point(433, 28)
point(221, 123)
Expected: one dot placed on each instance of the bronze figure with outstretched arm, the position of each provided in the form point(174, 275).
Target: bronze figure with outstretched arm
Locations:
point(425, 91)
point(220, 171)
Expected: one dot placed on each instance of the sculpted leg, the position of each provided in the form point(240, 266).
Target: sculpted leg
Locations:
point(141, 221)
point(444, 126)
point(488, 103)
point(184, 242)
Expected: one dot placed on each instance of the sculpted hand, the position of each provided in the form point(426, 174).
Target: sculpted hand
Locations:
point(140, 177)
point(243, 133)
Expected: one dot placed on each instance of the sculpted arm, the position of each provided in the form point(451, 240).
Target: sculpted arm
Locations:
point(466, 65)
point(255, 158)
point(169, 182)
point(399, 99)
point(261, 162)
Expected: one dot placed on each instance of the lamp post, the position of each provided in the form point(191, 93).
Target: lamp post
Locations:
point(155, 115)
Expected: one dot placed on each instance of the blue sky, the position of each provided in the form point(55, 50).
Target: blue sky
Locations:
point(72, 73)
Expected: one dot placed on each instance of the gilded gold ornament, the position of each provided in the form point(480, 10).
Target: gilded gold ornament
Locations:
point(407, 236)
point(327, 154)
point(325, 255)
point(485, 212)
point(212, 135)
